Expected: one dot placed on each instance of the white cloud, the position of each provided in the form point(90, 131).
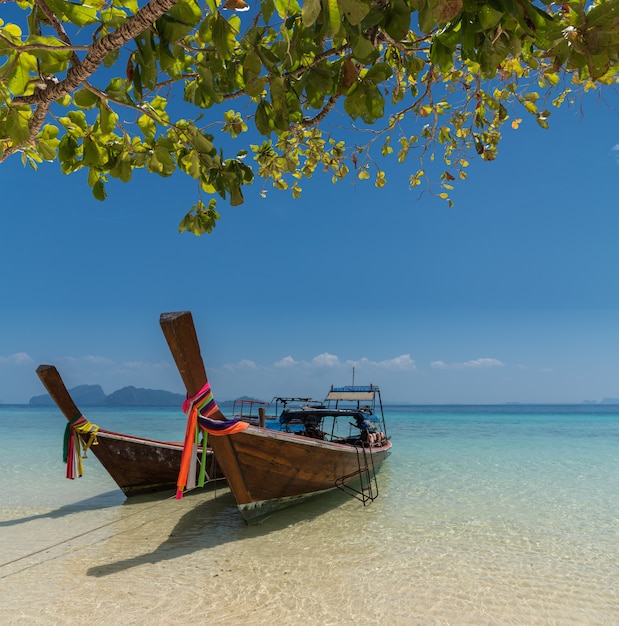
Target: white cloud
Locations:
point(19, 358)
point(243, 364)
point(402, 362)
point(287, 361)
point(484, 363)
point(615, 149)
point(326, 360)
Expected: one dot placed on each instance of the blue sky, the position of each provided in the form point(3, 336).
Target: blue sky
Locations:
point(510, 296)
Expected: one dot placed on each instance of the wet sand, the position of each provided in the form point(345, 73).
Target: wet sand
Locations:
point(328, 562)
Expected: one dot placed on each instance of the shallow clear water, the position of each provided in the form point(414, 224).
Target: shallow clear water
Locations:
point(486, 515)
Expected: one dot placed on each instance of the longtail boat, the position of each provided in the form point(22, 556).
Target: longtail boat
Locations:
point(136, 464)
point(268, 469)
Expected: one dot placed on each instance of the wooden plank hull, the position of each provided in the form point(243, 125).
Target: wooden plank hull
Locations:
point(136, 464)
point(269, 470)
point(139, 465)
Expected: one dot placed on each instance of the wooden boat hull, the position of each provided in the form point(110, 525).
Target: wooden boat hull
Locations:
point(138, 465)
point(269, 470)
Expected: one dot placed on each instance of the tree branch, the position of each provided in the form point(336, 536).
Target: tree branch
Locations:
point(80, 72)
point(321, 114)
point(38, 46)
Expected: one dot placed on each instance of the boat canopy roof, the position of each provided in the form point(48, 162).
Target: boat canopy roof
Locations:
point(351, 393)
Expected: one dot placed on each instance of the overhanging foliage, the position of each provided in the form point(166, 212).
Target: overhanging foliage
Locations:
point(98, 85)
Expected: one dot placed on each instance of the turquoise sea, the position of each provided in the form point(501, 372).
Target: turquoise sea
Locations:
point(486, 515)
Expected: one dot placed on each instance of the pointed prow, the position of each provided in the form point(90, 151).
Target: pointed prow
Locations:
point(180, 333)
point(52, 381)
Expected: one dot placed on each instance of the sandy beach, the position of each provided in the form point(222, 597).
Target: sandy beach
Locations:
point(194, 560)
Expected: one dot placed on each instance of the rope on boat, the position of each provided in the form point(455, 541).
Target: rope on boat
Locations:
point(199, 410)
point(367, 477)
point(75, 447)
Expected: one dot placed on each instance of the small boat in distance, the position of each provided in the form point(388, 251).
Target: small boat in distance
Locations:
point(268, 469)
point(136, 464)
point(250, 410)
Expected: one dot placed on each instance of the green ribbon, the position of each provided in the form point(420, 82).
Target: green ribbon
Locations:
point(67, 435)
point(202, 473)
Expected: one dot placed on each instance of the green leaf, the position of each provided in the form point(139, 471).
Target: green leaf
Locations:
point(67, 149)
point(398, 19)
point(333, 17)
point(145, 57)
point(107, 119)
point(85, 99)
point(200, 219)
point(223, 37)
point(489, 17)
point(365, 101)
point(426, 19)
point(122, 170)
point(252, 65)
point(264, 118)
point(379, 73)
point(78, 14)
point(17, 124)
point(46, 150)
point(171, 30)
point(278, 99)
point(51, 61)
point(363, 50)
point(118, 89)
point(132, 5)
point(254, 88)
point(354, 10)
point(285, 8)
point(98, 191)
point(92, 155)
point(187, 12)
point(236, 195)
point(165, 160)
point(22, 71)
point(492, 54)
point(310, 11)
point(441, 55)
point(202, 144)
point(147, 126)
point(77, 119)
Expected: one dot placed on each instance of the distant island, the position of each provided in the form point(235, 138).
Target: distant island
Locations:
point(93, 395)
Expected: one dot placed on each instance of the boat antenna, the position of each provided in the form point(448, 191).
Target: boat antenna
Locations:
point(353, 376)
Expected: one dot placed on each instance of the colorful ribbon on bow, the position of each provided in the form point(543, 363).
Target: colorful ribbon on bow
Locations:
point(75, 448)
point(199, 410)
